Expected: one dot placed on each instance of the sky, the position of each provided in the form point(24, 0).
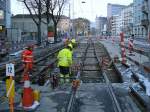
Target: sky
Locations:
point(90, 9)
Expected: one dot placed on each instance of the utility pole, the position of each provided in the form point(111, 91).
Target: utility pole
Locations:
point(69, 22)
point(149, 26)
point(73, 20)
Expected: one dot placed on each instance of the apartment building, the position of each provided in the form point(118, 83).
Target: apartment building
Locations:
point(140, 17)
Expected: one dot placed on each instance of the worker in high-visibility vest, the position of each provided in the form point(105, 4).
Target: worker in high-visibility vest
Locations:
point(64, 63)
point(27, 59)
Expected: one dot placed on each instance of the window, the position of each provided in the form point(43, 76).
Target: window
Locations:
point(142, 30)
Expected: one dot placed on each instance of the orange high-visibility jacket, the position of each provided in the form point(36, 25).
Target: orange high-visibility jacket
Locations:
point(27, 56)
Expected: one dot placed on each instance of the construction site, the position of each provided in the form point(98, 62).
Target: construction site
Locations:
point(103, 79)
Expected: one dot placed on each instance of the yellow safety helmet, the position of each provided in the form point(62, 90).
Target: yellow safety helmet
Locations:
point(73, 41)
point(70, 45)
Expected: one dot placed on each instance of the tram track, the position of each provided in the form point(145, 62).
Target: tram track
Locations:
point(109, 76)
point(91, 72)
point(41, 65)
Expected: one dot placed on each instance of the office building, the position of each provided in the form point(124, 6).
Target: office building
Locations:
point(100, 23)
point(113, 10)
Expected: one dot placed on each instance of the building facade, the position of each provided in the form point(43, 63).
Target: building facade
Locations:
point(149, 20)
point(112, 11)
point(81, 26)
point(127, 20)
point(100, 23)
point(122, 21)
point(116, 23)
point(64, 25)
point(140, 18)
point(5, 17)
point(28, 28)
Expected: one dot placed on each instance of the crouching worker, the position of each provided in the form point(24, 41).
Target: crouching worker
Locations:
point(64, 63)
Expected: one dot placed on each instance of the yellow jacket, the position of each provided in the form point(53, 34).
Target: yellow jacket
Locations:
point(64, 58)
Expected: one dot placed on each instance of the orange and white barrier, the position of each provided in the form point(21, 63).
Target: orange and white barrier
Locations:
point(28, 98)
point(105, 62)
point(28, 102)
point(123, 52)
point(113, 40)
point(130, 45)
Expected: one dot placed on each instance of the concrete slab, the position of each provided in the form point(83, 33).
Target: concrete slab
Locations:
point(53, 100)
point(95, 98)
point(125, 100)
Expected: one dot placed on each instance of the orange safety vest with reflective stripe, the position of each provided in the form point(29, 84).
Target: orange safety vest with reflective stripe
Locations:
point(27, 56)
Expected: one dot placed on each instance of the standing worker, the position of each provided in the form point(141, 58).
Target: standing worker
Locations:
point(27, 59)
point(64, 62)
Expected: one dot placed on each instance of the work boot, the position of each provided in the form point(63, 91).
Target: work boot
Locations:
point(67, 78)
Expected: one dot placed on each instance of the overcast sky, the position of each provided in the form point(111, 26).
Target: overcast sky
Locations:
point(89, 9)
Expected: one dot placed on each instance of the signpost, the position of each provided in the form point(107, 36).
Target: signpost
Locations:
point(10, 85)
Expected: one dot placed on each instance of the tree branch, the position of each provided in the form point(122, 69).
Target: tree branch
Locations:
point(30, 12)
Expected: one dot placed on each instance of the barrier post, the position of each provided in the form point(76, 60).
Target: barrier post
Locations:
point(113, 41)
point(130, 45)
point(123, 52)
point(10, 85)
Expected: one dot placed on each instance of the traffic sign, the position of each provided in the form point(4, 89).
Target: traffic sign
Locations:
point(10, 70)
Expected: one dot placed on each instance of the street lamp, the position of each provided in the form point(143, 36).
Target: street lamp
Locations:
point(73, 24)
point(83, 2)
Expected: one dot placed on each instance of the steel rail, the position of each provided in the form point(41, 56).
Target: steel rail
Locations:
point(17, 61)
point(73, 92)
point(109, 85)
point(20, 69)
point(110, 88)
point(72, 97)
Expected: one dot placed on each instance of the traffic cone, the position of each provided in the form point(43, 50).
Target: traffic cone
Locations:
point(105, 61)
point(28, 98)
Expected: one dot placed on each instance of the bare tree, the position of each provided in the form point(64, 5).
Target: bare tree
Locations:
point(54, 10)
point(35, 8)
